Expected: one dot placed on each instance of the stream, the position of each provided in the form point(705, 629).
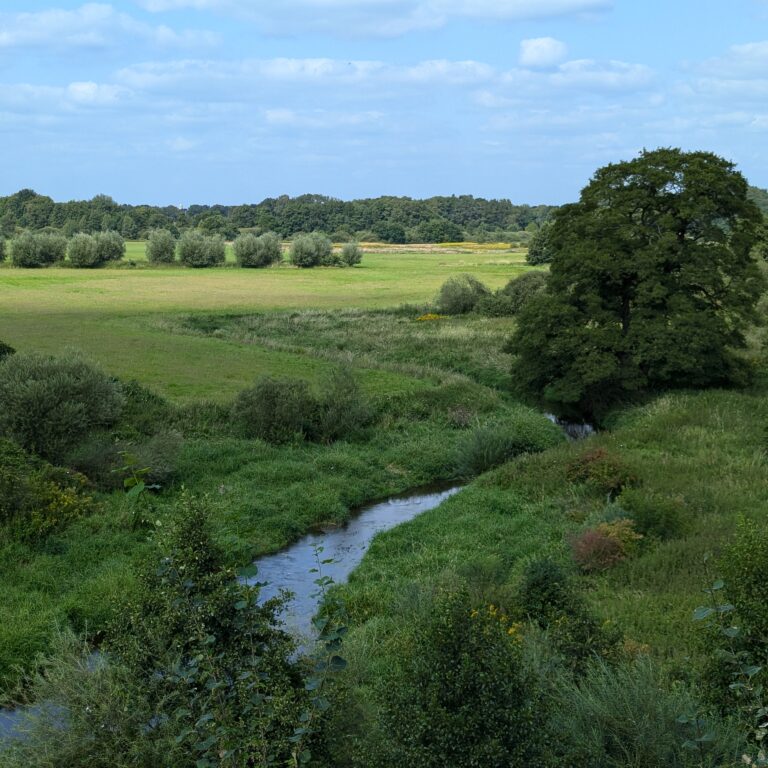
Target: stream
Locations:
point(290, 568)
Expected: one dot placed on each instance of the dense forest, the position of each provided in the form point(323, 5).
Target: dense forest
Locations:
point(389, 219)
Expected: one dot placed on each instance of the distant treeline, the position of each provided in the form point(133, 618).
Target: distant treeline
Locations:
point(387, 219)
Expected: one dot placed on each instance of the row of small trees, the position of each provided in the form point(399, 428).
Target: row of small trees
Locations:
point(193, 249)
point(198, 250)
point(40, 249)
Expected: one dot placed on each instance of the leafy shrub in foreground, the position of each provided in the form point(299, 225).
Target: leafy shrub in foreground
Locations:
point(460, 294)
point(161, 247)
point(276, 410)
point(196, 673)
point(540, 250)
point(51, 403)
point(83, 251)
point(198, 250)
point(261, 251)
point(351, 254)
point(459, 696)
point(312, 250)
point(110, 246)
point(522, 289)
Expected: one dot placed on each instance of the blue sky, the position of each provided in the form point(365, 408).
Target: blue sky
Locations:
point(231, 101)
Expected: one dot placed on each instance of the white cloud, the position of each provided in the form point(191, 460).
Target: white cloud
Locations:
point(595, 75)
point(380, 17)
point(542, 52)
point(24, 97)
point(91, 25)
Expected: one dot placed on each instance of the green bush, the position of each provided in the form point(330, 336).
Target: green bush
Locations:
point(83, 251)
point(311, 250)
point(161, 247)
point(252, 251)
point(540, 249)
point(351, 254)
point(522, 289)
point(547, 596)
point(110, 246)
point(144, 412)
point(3, 252)
point(626, 715)
point(25, 251)
point(459, 695)
point(52, 247)
point(496, 304)
point(460, 294)
point(51, 403)
point(490, 445)
point(342, 409)
point(276, 410)
point(36, 498)
point(198, 250)
point(745, 565)
point(654, 514)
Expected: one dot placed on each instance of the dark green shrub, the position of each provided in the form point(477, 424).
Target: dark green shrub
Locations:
point(548, 596)
point(110, 246)
point(460, 294)
point(160, 454)
point(627, 715)
point(83, 251)
point(496, 304)
point(98, 458)
point(252, 251)
point(3, 252)
point(161, 247)
point(540, 250)
point(51, 403)
point(654, 514)
point(276, 410)
point(522, 289)
point(342, 409)
point(144, 411)
point(745, 565)
point(311, 250)
point(36, 498)
point(459, 695)
point(52, 247)
point(25, 251)
point(198, 250)
point(6, 350)
point(351, 254)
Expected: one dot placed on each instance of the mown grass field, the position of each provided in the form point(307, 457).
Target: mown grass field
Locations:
point(108, 313)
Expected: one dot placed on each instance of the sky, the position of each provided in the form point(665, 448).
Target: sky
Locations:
point(174, 102)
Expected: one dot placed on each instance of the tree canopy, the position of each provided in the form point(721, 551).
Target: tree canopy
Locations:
point(652, 285)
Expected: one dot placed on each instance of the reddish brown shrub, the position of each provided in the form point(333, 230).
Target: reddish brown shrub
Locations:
point(600, 469)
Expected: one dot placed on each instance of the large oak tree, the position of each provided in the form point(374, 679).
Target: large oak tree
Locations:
point(652, 285)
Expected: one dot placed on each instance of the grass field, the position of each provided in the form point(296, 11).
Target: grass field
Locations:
point(108, 312)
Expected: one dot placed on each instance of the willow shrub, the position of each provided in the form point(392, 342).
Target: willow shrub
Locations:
point(161, 247)
point(83, 251)
point(50, 404)
point(261, 251)
point(199, 250)
point(460, 294)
